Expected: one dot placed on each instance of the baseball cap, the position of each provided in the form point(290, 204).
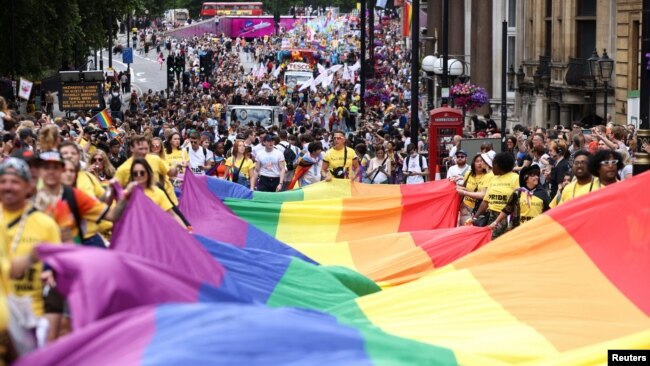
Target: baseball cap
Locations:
point(26, 155)
point(488, 157)
point(269, 137)
point(17, 167)
point(25, 133)
point(50, 157)
point(461, 152)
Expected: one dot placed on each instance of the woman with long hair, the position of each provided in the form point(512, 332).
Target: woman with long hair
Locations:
point(6, 121)
point(379, 167)
point(473, 187)
point(239, 168)
point(101, 167)
point(157, 148)
point(175, 156)
point(142, 174)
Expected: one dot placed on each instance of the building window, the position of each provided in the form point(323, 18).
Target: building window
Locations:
point(585, 28)
point(512, 32)
point(512, 13)
point(635, 59)
point(548, 28)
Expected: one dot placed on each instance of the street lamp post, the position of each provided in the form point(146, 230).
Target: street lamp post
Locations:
point(593, 73)
point(428, 65)
point(415, 70)
point(606, 66)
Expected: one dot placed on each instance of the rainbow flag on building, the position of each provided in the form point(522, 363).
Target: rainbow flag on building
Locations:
point(104, 119)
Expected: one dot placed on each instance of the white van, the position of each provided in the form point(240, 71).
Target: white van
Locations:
point(265, 116)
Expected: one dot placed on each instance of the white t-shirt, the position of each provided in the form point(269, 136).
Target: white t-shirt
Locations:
point(412, 164)
point(456, 171)
point(197, 159)
point(269, 162)
point(378, 176)
point(256, 149)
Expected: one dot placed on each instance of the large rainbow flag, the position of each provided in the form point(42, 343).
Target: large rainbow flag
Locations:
point(561, 289)
point(388, 259)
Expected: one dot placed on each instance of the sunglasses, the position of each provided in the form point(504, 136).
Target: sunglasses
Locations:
point(98, 160)
point(609, 162)
point(139, 173)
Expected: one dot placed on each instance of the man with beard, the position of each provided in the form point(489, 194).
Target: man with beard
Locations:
point(584, 183)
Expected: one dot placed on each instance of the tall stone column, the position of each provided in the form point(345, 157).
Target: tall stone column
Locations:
point(565, 115)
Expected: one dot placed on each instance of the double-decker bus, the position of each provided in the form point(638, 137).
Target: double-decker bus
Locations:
point(209, 10)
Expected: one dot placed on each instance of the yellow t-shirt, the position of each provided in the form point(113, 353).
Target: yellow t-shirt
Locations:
point(245, 168)
point(91, 149)
point(160, 170)
point(500, 190)
point(38, 228)
point(177, 157)
point(574, 189)
point(158, 197)
point(90, 185)
point(336, 158)
point(473, 183)
point(529, 207)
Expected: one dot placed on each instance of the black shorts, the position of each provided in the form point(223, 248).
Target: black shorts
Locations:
point(268, 184)
point(54, 302)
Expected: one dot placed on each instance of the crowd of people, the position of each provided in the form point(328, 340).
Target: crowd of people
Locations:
point(60, 178)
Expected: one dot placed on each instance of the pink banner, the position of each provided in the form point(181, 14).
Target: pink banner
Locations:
point(252, 27)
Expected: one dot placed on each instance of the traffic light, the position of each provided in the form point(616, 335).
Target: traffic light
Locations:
point(203, 64)
point(170, 71)
point(180, 65)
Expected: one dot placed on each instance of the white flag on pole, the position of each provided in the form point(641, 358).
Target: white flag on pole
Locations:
point(25, 89)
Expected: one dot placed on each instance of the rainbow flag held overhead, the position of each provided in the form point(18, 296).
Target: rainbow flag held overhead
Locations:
point(225, 334)
point(104, 119)
point(112, 132)
point(561, 289)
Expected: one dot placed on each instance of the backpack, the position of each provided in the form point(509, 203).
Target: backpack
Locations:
point(289, 157)
point(115, 103)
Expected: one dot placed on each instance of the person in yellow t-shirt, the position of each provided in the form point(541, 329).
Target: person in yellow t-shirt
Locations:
point(475, 192)
point(239, 168)
point(23, 228)
point(142, 174)
point(340, 161)
point(528, 201)
point(501, 188)
point(175, 157)
point(470, 190)
point(139, 146)
point(584, 182)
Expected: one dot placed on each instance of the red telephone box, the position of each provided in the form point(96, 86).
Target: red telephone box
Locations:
point(444, 124)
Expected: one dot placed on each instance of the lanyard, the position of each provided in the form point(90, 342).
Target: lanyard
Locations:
point(590, 187)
